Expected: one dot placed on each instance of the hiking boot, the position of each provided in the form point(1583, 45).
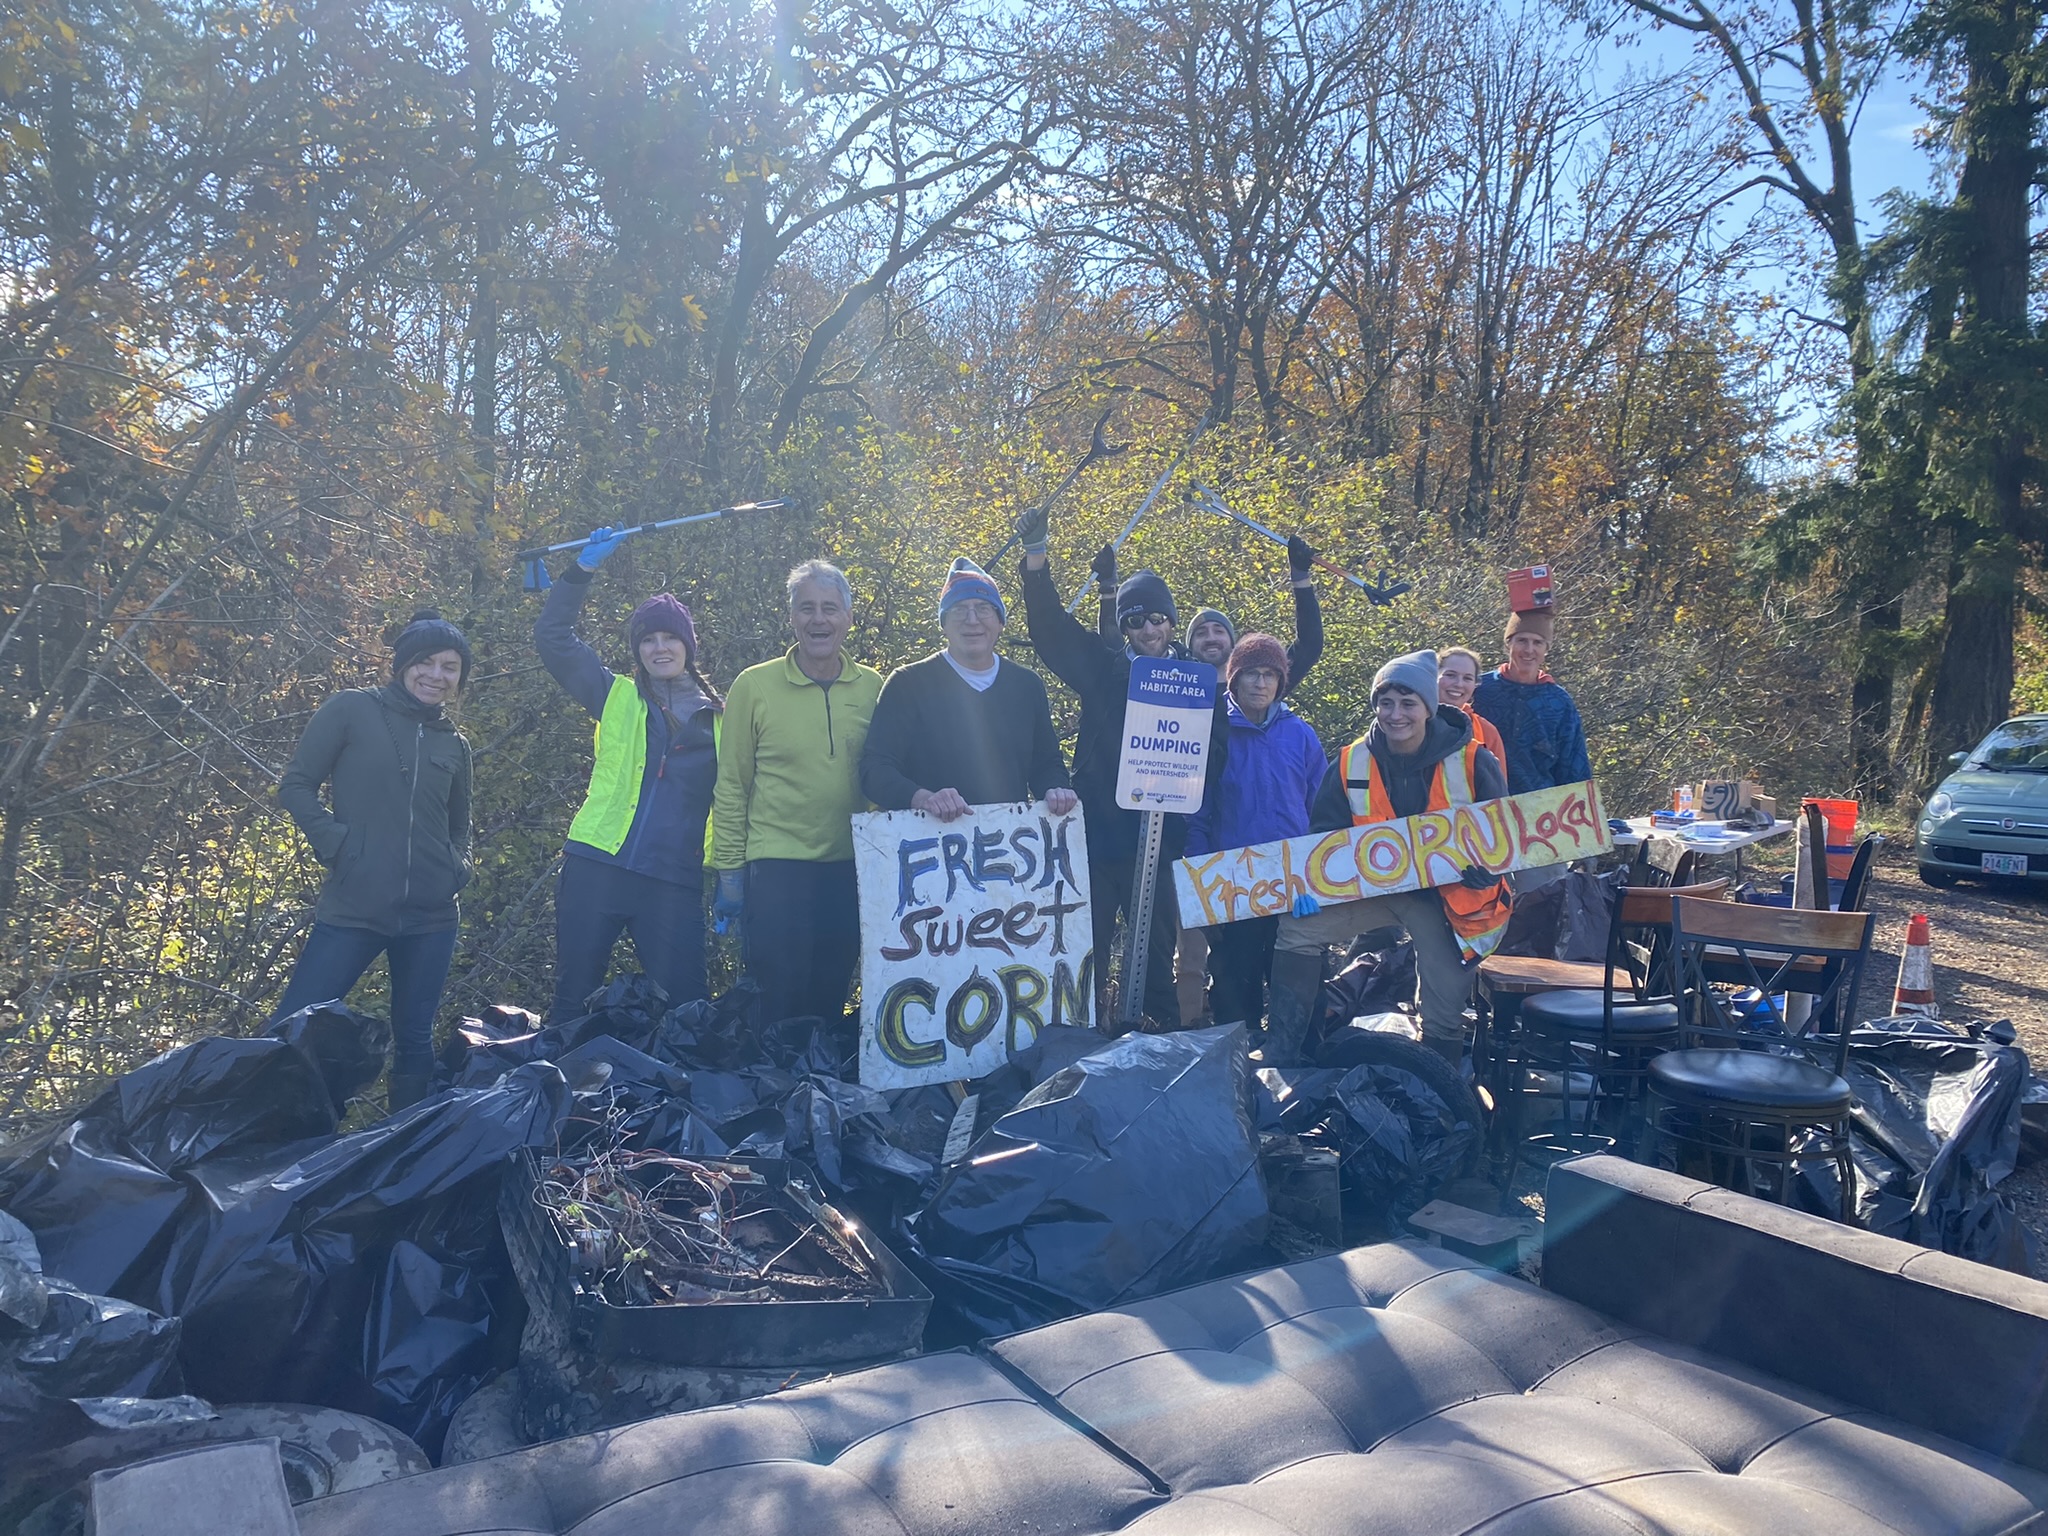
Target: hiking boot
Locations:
point(1293, 995)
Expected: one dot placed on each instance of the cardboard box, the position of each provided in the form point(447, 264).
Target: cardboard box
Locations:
point(1718, 799)
point(1529, 589)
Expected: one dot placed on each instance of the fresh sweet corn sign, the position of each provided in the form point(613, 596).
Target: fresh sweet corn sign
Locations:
point(974, 933)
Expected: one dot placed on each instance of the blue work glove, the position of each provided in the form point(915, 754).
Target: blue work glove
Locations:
point(1305, 905)
point(1473, 878)
point(731, 899)
point(602, 542)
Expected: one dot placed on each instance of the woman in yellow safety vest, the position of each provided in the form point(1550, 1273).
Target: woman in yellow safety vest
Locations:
point(635, 855)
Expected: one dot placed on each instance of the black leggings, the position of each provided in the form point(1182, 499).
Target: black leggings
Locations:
point(596, 901)
point(1240, 956)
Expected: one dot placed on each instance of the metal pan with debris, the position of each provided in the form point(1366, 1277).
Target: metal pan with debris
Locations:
point(703, 1261)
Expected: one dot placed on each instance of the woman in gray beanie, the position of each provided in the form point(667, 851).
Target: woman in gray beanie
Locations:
point(1413, 758)
point(394, 835)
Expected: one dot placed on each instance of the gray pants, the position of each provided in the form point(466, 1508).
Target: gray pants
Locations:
point(1443, 981)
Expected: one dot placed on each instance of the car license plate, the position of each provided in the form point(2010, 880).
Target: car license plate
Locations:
point(2004, 863)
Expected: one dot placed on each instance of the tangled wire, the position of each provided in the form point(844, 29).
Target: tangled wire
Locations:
point(653, 1228)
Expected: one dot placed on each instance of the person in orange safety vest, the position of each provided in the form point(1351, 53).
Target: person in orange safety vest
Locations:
point(1415, 758)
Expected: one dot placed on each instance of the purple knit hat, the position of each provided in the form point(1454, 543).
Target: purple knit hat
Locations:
point(662, 611)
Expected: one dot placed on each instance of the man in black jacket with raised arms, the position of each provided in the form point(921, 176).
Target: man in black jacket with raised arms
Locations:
point(1099, 672)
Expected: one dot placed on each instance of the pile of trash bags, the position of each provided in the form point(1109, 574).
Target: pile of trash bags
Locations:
point(1936, 1127)
point(1128, 1172)
point(280, 1260)
point(208, 1214)
point(1401, 1119)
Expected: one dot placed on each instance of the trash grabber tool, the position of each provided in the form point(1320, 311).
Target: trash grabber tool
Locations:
point(1205, 497)
point(1098, 448)
point(1145, 506)
point(535, 560)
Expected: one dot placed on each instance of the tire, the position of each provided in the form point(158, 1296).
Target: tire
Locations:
point(1940, 879)
point(1347, 1048)
point(487, 1424)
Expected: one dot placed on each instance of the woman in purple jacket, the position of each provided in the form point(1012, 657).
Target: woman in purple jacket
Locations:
point(1270, 777)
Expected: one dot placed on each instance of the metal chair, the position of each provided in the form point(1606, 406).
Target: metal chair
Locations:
point(1744, 1089)
point(1611, 1030)
point(1662, 861)
point(1856, 886)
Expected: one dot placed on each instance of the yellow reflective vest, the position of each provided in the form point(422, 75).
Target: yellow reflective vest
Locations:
point(620, 764)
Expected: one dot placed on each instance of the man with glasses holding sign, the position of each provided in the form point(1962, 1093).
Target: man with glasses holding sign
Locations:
point(1099, 672)
point(964, 727)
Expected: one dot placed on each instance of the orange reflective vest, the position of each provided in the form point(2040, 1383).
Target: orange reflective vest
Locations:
point(1478, 918)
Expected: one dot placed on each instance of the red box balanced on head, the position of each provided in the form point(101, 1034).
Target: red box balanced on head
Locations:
point(1529, 589)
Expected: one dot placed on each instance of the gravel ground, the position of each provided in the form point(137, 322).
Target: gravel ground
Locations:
point(1990, 947)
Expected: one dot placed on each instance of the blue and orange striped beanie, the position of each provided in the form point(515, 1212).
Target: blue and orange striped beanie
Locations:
point(965, 580)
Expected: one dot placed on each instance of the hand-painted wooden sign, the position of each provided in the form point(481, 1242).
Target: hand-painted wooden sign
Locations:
point(1545, 826)
point(974, 934)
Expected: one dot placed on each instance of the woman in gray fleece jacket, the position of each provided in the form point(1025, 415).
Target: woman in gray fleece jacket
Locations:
point(394, 835)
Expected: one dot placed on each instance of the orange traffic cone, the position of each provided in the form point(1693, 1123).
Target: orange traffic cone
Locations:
point(1915, 992)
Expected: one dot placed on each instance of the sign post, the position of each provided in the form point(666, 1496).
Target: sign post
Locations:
point(1168, 712)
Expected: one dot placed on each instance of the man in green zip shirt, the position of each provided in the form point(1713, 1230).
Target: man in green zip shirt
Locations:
point(782, 817)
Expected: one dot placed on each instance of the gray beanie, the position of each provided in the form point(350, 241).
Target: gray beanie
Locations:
point(1416, 672)
point(1206, 614)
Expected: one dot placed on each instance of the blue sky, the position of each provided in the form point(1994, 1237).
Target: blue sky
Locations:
point(1884, 158)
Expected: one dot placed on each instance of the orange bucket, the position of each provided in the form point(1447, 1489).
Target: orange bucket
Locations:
point(1840, 815)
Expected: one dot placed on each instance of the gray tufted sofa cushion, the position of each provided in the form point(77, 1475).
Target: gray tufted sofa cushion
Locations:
point(1391, 1389)
point(935, 1446)
point(1397, 1389)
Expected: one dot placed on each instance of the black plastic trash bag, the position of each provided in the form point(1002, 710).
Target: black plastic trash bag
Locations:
point(624, 1097)
point(99, 1346)
point(71, 1363)
point(479, 1051)
point(24, 1298)
point(445, 1313)
point(1934, 1130)
point(1566, 919)
point(348, 1047)
point(713, 1033)
point(2034, 1120)
point(279, 1274)
point(1378, 975)
point(1129, 1172)
point(844, 1131)
point(102, 1191)
point(1400, 1118)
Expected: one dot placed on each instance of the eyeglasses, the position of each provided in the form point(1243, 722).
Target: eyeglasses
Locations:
point(1131, 621)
